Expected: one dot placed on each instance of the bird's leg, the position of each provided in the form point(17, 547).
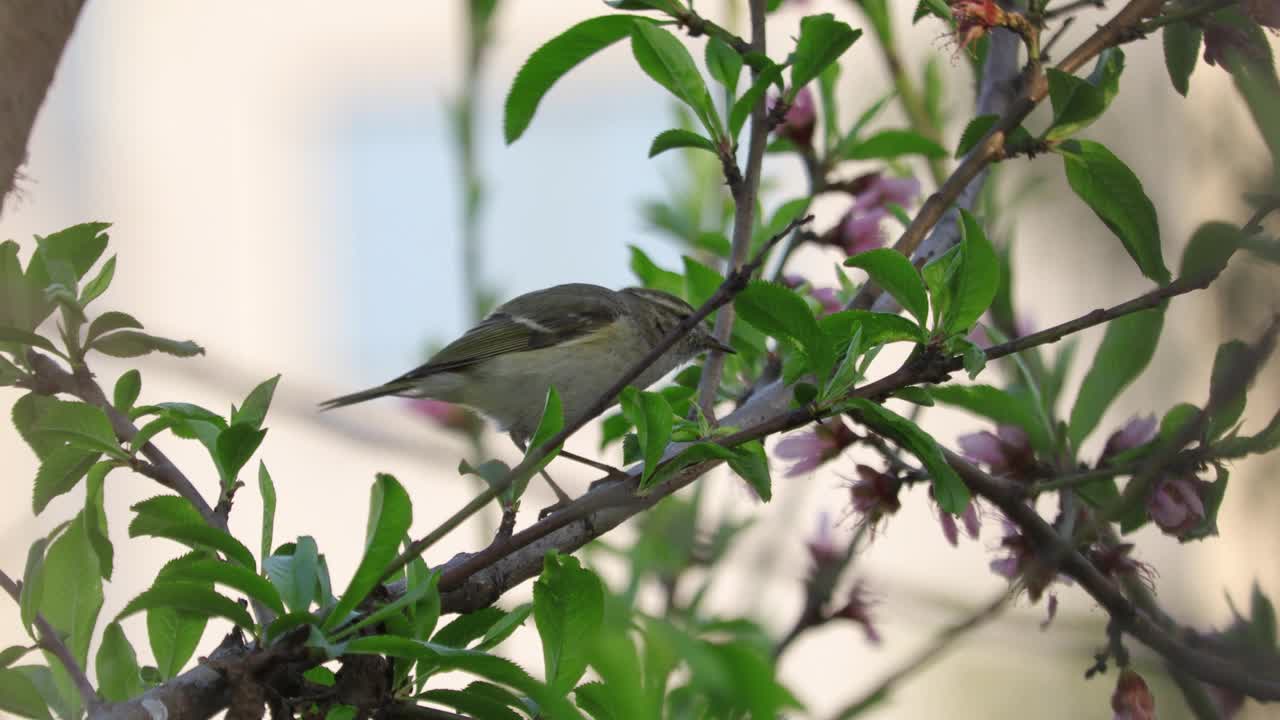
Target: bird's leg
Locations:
point(562, 498)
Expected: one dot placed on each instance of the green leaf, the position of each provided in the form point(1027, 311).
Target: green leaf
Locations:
point(388, 612)
point(235, 446)
point(295, 575)
point(1005, 407)
point(195, 535)
point(267, 489)
point(32, 583)
point(72, 599)
point(741, 110)
point(99, 284)
point(174, 634)
point(19, 696)
point(503, 629)
point(469, 627)
point(233, 576)
point(119, 678)
point(568, 608)
point(665, 59)
point(79, 246)
point(822, 41)
point(877, 328)
point(652, 276)
point(671, 139)
point(976, 279)
point(1209, 250)
point(390, 514)
point(937, 276)
point(472, 704)
point(950, 492)
point(95, 517)
point(892, 271)
point(81, 425)
point(915, 395)
point(552, 61)
point(1076, 102)
point(9, 373)
point(1181, 51)
point(128, 387)
point(426, 612)
point(889, 144)
point(25, 337)
point(1262, 616)
point(751, 464)
point(549, 425)
point(1228, 362)
point(109, 321)
point(189, 597)
point(651, 415)
point(60, 471)
point(1127, 347)
point(253, 411)
point(978, 128)
point(13, 654)
point(724, 63)
point(131, 343)
point(1115, 194)
point(700, 283)
point(780, 312)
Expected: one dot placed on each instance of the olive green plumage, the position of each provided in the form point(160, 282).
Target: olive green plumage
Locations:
point(578, 337)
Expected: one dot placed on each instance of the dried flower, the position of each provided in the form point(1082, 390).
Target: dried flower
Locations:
point(972, 523)
point(859, 229)
point(858, 609)
point(1132, 699)
point(1022, 560)
point(1176, 504)
point(974, 18)
point(875, 494)
point(797, 125)
point(811, 448)
point(1116, 560)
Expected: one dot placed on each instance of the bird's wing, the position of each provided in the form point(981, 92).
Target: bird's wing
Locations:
point(556, 315)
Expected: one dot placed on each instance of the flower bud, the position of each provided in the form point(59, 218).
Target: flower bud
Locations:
point(1132, 699)
point(797, 125)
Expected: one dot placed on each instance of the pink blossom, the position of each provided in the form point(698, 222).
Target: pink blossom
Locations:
point(1136, 432)
point(885, 190)
point(828, 299)
point(858, 609)
point(811, 448)
point(822, 548)
point(1022, 561)
point(972, 523)
point(1175, 505)
point(1132, 699)
point(860, 232)
point(797, 125)
point(1007, 452)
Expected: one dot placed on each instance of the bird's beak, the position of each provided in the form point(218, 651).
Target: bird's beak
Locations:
point(714, 344)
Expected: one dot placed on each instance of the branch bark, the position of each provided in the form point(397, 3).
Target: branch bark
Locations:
point(33, 35)
point(50, 640)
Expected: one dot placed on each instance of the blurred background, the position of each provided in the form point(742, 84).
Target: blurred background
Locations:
point(284, 186)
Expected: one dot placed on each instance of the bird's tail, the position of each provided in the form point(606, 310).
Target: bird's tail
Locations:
point(395, 387)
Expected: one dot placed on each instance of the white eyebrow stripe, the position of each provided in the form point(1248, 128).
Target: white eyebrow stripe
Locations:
point(675, 305)
point(531, 324)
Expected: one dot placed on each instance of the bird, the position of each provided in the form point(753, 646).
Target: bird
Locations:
point(579, 338)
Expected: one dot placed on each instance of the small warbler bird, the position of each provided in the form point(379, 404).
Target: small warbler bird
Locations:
point(579, 338)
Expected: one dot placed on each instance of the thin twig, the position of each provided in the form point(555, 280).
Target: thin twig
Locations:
point(51, 641)
point(1074, 6)
point(744, 201)
point(941, 642)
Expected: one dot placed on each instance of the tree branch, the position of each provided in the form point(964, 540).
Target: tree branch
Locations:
point(991, 147)
point(744, 200)
point(33, 35)
point(51, 379)
point(51, 641)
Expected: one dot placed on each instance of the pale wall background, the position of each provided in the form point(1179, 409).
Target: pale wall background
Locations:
point(282, 187)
